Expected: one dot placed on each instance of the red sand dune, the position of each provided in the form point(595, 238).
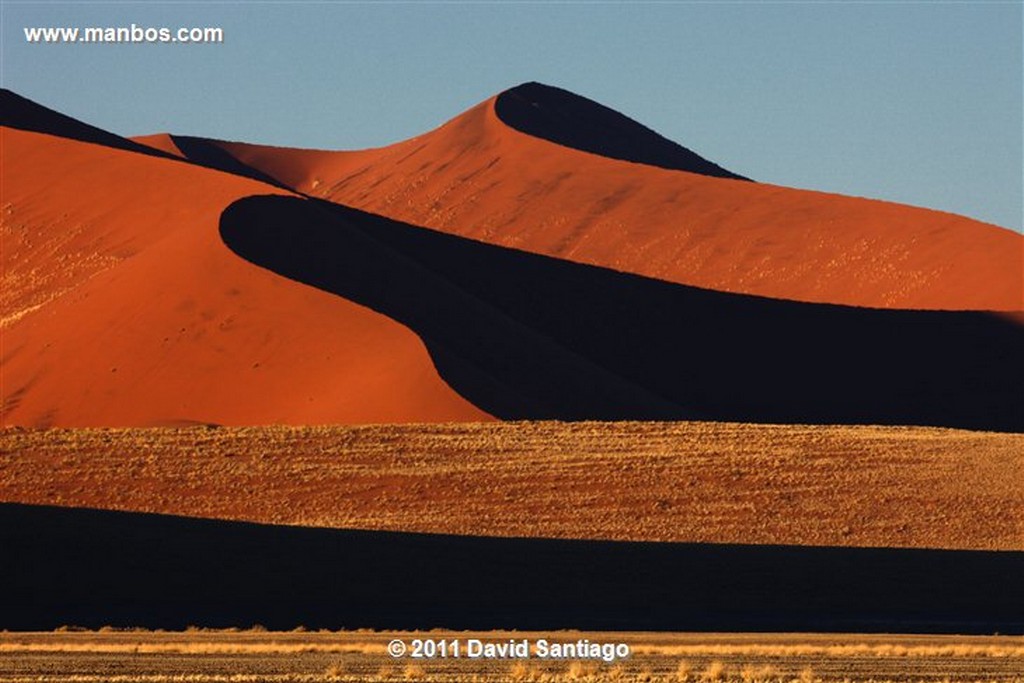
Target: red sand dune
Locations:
point(479, 177)
point(122, 306)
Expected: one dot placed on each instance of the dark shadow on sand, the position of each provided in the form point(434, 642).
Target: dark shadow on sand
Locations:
point(530, 337)
point(24, 114)
point(208, 153)
point(570, 120)
point(94, 568)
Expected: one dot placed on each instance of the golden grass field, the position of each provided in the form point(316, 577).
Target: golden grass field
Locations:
point(681, 481)
point(255, 655)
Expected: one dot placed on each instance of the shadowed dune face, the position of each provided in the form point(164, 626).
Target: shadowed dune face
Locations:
point(525, 336)
point(567, 119)
point(479, 177)
point(122, 306)
point(206, 153)
point(203, 152)
point(96, 568)
point(20, 113)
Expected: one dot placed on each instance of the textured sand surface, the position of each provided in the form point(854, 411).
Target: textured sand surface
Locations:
point(687, 482)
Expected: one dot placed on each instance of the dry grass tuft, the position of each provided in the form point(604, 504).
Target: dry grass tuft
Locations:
point(616, 673)
point(758, 674)
point(715, 671)
point(521, 671)
point(578, 670)
point(336, 670)
point(413, 672)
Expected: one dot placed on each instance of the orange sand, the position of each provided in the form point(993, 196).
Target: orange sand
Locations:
point(122, 306)
point(160, 141)
point(477, 177)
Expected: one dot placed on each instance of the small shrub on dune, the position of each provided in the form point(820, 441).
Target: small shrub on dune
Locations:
point(684, 671)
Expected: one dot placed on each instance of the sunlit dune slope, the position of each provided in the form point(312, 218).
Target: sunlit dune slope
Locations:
point(144, 287)
point(481, 176)
point(160, 141)
point(122, 306)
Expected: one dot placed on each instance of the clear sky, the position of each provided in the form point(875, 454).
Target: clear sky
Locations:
point(916, 102)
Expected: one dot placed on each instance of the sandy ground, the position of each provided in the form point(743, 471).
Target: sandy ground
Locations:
point(155, 657)
point(685, 481)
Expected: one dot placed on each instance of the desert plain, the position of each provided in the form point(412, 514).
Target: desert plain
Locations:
point(249, 656)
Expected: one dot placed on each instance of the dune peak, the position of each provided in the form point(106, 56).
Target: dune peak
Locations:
point(571, 120)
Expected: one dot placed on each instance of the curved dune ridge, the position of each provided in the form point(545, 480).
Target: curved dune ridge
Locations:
point(579, 123)
point(122, 306)
point(506, 172)
point(525, 336)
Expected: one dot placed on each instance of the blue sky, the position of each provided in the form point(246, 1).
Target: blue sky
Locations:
point(918, 102)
